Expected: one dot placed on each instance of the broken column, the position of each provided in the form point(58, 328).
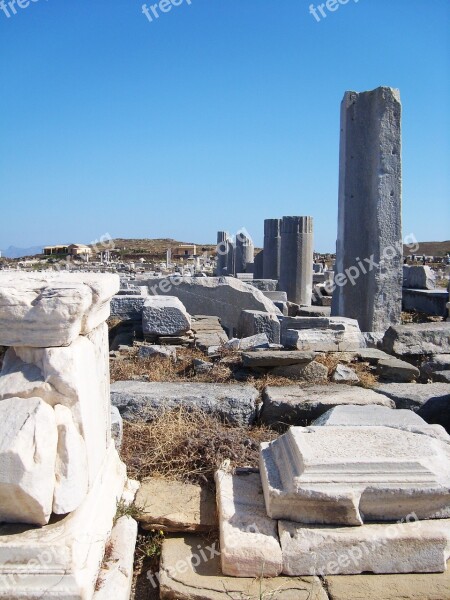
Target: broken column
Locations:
point(222, 253)
point(369, 248)
point(59, 468)
point(296, 263)
point(245, 253)
point(272, 249)
point(231, 258)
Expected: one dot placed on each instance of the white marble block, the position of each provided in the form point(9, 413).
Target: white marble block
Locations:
point(71, 469)
point(249, 545)
point(28, 442)
point(52, 309)
point(351, 475)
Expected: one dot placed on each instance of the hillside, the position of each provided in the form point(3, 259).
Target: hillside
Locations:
point(146, 248)
point(430, 249)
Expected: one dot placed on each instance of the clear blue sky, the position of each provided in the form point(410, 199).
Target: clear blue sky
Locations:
point(215, 116)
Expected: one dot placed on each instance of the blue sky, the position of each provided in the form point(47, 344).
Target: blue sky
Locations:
point(216, 115)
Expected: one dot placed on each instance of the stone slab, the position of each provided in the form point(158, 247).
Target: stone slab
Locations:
point(127, 308)
point(295, 405)
point(418, 339)
point(413, 396)
point(397, 371)
point(164, 315)
point(389, 587)
point(409, 547)
point(116, 575)
point(253, 322)
point(175, 507)
point(248, 537)
point(343, 374)
point(190, 570)
point(313, 372)
point(137, 400)
point(52, 309)
point(419, 277)
point(276, 359)
point(371, 355)
point(313, 475)
point(374, 415)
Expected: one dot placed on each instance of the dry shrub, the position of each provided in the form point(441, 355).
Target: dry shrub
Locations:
point(367, 376)
point(189, 446)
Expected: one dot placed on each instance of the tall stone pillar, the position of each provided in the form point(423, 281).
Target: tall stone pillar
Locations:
point(258, 270)
point(222, 253)
point(272, 249)
point(231, 268)
point(369, 248)
point(245, 253)
point(296, 264)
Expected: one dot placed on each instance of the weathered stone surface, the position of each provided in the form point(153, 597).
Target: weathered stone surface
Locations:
point(248, 537)
point(270, 358)
point(164, 315)
point(438, 362)
point(441, 377)
point(314, 475)
point(18, 378)
point(186, 575)
point(429, 302)
point(437, 410)
point(61, 560)
point(223, 297)
point(419, 277)
point(389, 587)
point(75, 376)
point(253, 322)
point(343, 374)
point(259, 340)
point(369, 221)
point(116, 575)
point(413, 396)
point(52, 309)
point(127, 308)
point(395, 370)
point(116, 427)
point(314, 311)
point(296, 271)
point(137, 400)
point(202, 366)
point(411, 547)
point(175, 507)
point(292, 405)
point(312, 372)
point(157, 351)
point(375, 415)
point(418, 339)
point(321, 334)
point(71, 467)
point(28, 442)
point(371, 355)
point(272, 248)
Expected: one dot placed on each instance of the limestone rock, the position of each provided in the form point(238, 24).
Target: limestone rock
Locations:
point(395, 370)
point(375, 416)
point(418, 339)
point(419, 277)
point(223, 297)
point(190, 570)
point(371, 355)
point(259, 340)
point(116, 427)
point(411, 547)
point(71, 470)
point(413, 396)
point(52, 309)
point(316, 475)
point(158, 351)
point(136, 400)
point(164, 315)
point(175, 507)
point(202, 366)
point(438, 362)
point(321, 334)
point(28, 443)
point(276, 359)
point(313, 372)
point(248, 537)
point(389, 587)
point(127, 308)
point(343, 374)
point(292, 405)
point(20, 379)
point(252, 322)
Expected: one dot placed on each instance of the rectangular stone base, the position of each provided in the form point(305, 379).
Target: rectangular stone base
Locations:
point(62, 559)
point(412, 547)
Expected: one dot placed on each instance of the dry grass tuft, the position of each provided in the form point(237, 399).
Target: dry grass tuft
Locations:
point(188, 446)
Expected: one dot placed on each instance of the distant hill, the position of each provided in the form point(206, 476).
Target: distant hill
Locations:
point(156, 248)
point(429, 249)
point(14, 252)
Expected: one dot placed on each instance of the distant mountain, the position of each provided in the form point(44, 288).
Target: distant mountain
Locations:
point(430, 249)
point(14, 252)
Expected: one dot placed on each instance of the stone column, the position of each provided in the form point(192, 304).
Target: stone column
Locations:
point(369, 248)
point(258, 271)
point(272, 249)
point(231, 268)
point(245, 253)
point(296, 263)
point(222, 253)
